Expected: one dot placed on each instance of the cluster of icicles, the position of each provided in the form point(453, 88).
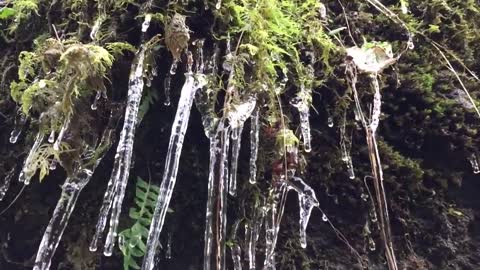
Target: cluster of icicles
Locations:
point(222, 174)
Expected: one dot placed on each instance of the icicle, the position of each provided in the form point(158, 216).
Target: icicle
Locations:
point(272, 222)
point(206, 107)
point(215, 229)
point(214, 62)
point(252, 232)
point(235, 248)
point(199, 65)
point(27, 173)
point(189, 62)
point(345, 145)
point(239, 113)
point(377, 103)
point(51, 138)
point(146, 23)
point(66, 124)
point(177, 136)
point(371, 244)
point(118, 180)
point(71, 189)
point(227, 64)
point(249, 243)
point(173, 68)
point(6, 183)
point(304, 112)
point(168, 253)
point(20, 120)
point(166, 87)
point(95, 101)
point(222, 211)
point(254, 143)
point(96, 27)
point(474, 162)
point(307, 200)
point(209, 221)
point(236, 143)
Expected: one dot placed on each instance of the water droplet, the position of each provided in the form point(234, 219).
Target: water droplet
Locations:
point(13, 139)
point(324, 218)
point(364, 197)
point(97, 98)
point(107, 253)
point(53, 165)
point(373, 216)
point(371, 244)
point(330, 122)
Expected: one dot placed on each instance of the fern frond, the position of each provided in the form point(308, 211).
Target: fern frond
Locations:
point(132, 240)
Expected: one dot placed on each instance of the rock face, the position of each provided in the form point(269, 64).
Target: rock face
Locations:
point(426, 136)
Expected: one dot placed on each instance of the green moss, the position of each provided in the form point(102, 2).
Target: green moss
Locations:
point(59, 72)
point(22, 10)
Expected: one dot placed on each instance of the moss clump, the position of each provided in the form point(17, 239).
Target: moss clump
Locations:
point(59, 72)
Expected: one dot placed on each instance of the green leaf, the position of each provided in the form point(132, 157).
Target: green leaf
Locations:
point(6, 13)
point(133, 263)
point(142, 212)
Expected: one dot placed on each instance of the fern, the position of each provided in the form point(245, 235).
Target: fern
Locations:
point(148, 100)
point(132, 240)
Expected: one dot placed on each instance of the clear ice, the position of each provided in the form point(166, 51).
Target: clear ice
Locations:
point(252, 233)
point(7, 179)
point(237, 117)
point(20, 120)
point(235, 248)
point(118, 180)
point(66, 124)
point(345, 145)
point(179, 127)
point(27, 173)
point(71, 189)
point(254, 143)
point(275, 207)
point(215, 225)
point(236, 143)
point(307, 200)
point(474, 162)
point(304, 111)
